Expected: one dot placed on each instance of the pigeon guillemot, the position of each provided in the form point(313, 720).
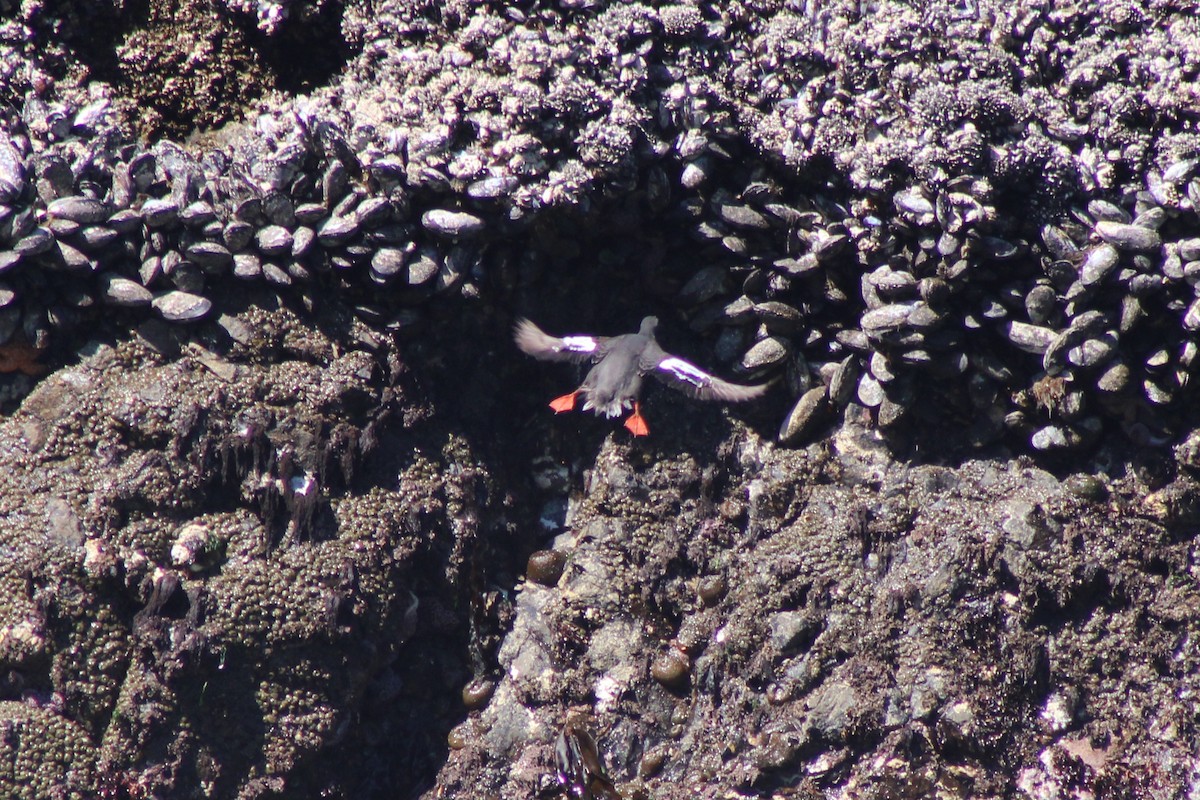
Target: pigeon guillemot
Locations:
point(614, 384)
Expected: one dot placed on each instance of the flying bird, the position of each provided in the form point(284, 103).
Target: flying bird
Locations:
point(614, 384)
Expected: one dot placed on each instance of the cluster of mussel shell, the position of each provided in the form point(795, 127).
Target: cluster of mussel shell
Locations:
point(922, 305)
point(929, 308)
point(86, 223)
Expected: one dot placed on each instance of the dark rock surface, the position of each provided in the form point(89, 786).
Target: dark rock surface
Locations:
point(188, 580)
point(272, 470)
point(879, 629)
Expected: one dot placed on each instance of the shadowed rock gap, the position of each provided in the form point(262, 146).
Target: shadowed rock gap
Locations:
point(196, 65)
point(304, 54)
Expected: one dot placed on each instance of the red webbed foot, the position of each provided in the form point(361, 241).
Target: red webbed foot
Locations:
point(564, 403)
point(636, 424)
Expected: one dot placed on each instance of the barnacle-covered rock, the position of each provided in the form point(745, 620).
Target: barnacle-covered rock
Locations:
point(149, 633)
point(44, 754)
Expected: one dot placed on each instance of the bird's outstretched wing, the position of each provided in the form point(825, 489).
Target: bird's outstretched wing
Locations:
point(687, 377)
point(535, 342)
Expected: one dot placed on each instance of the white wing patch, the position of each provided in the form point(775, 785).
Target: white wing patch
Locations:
point(578, 344)
point(684, 371)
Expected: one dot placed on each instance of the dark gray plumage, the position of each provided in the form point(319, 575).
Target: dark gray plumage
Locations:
point(614, 384)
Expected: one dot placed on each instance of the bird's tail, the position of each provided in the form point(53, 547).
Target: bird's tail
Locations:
point(613, 408)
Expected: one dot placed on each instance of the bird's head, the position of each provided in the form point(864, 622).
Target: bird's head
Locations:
point(648, 326)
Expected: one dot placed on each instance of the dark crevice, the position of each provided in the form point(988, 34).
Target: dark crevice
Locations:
point(145, 48)
point(302, 55)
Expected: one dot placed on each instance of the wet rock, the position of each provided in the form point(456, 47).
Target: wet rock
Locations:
point(545, 567)
point(491, 188)
point(247, 266)
point(810, 411)
point(1128, 237)
point(84, 210)
point(159, 212)
point(703, 286)
point(833, 709)
point(671, 668)
point(123, 292)
point(887, 318)
point(237, 235)
point(422, 269)
point(274, 240)
point(210, 255)
point(765, 353)
point(526, 654)
point(567, 185)
point(336, 230)
point(477, 692)
point(388, 262)
point(37, 241)
point(303, 240)
point(125, 221)
point(197, 215)
point(179, 306)
point(452, 224)
point(12, 171)
point(1030, 338)
point(1099, 264)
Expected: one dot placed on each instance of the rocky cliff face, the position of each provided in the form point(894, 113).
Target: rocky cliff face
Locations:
point(284, 513)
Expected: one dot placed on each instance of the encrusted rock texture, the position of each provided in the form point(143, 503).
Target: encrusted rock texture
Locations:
point(283, 513)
